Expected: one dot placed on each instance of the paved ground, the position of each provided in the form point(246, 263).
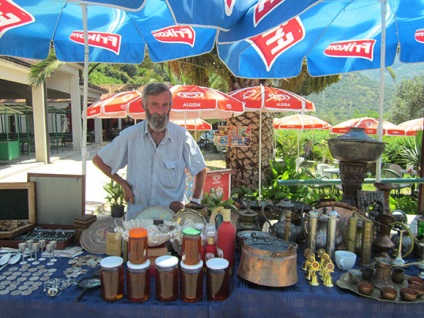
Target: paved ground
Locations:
point(63, 162)
point(68, 161)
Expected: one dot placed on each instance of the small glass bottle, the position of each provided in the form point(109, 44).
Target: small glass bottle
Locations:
point(210, 248)
point(166, 278)
point(191, 282)
point(137, 245)
point(217, 279)
point(112, 278)
point(191, 247)
point(138, 281)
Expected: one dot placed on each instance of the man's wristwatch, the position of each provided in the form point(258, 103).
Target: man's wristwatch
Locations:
point(197, 201)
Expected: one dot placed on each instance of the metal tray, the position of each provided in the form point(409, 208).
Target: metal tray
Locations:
point(345, 283)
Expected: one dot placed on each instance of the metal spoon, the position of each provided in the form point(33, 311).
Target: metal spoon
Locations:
point(5, 258)
point(14, 259)
point(11, 260)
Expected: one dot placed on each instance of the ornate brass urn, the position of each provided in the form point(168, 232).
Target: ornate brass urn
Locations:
point(354, 150)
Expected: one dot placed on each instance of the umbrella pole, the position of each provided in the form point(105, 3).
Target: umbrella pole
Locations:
point(85, 92)
point(260, 156)
point(382, 72)
point(298, 143)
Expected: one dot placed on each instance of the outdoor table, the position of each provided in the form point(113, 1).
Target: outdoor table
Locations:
point(334, 171)
point(412, 173)
point(246, 300)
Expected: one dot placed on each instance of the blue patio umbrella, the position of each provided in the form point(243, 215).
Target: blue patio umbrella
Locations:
point(332, 37)
point(87, 31)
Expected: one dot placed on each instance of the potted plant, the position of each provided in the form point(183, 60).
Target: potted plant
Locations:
point(116, 198)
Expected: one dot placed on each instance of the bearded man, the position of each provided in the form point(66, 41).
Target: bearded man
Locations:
point(156, 154)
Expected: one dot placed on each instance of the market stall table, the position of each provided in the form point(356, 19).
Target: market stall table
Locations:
point(246, 300)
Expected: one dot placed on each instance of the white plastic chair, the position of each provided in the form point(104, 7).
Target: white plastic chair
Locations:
point(299, 162)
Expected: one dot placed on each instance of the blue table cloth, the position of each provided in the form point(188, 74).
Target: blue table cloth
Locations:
point(246, 300)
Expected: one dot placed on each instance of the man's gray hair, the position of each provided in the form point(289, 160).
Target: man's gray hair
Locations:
point(154, 89)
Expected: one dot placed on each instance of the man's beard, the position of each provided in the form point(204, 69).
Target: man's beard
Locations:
point(157, 122)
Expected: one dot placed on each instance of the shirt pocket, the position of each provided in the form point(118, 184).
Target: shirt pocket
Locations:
point(172, 175)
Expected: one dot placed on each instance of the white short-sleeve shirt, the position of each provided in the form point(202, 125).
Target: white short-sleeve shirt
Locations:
point(156, 174)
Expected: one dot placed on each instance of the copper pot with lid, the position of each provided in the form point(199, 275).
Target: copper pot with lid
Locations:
point(269, 261)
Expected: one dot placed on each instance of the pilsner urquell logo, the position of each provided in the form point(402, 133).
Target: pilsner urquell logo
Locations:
point(13, 16)
point(273, 43)
point(263, 8)
point(356, 48)
point(176, 34)
point(103, 40)
point(419, 35)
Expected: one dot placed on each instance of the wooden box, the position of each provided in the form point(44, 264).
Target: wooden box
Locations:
point(17, 208)
point(18, 215)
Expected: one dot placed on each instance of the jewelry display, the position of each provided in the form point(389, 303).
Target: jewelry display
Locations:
point(46, 234)
point(54, 287)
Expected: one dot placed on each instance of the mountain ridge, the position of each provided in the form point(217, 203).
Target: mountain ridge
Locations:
point(357, 94)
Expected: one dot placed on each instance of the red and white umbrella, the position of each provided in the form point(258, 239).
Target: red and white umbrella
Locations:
point(272, 99)
point(197, 124)
point(412, 126)
point(300, 122)
point(370, 126)
point(114, 106)
point(188, 102)
point(192, 101)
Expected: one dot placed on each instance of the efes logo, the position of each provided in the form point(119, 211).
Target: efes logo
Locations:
point(356, 48)
point(263, 8)
point(12, 16)
point(108, 41)
point(270, 45)
point(419, 35)
point(176, 34)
